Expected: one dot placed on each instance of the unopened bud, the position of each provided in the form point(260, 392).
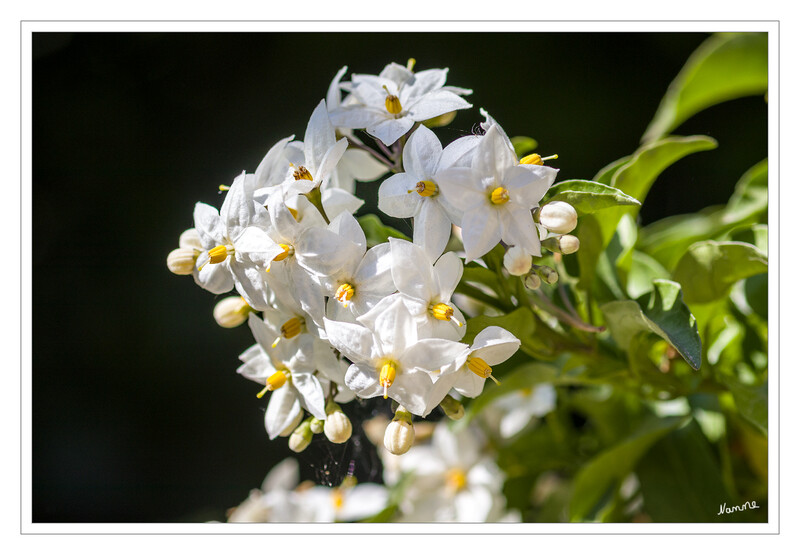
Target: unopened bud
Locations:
point(181, 261)
point(231, 312)
point(399, 436)
point(338, 428)
point(517, 261)
point(301, 437)
point(190, 239)
point(532, 281)
point(317, 425)
point(452, 408)
point(294, 424)
point(548, 274)
point(559, 217)
point(565, 244)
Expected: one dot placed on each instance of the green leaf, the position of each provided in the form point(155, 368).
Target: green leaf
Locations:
point(634, 178)
point(668, 239)
point(724, 67)
point(606, 173)
point(709, 268)
point(681, 480)
point(610, 467)
point(523, 145)
point(661, 312)
point(588, 197)
point(644, 269)
point(751, 401)
point(377, 232)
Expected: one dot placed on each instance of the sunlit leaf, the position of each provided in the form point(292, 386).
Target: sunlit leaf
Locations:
point(588, 197)
point(724, 67)
point(661, 312)
point(709, 268)
point(377, 232)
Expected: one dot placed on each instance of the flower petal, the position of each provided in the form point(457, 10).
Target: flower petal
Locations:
point(283, 408)
point(421, 153)
point(435, 104)
point(390, 129)
point(312, 398)
point(480, 231)
point(432, 228)
point(353, 340)
point(395, 199)
point(462, 188)
point(319, 138)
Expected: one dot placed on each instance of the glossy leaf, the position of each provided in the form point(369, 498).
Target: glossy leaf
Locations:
point(709, 268)
point(635, 178)
point(661, 312)
point(751, 401)
point(724, 67)
point(588, 197)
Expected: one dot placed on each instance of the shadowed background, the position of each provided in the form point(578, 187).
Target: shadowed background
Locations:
point(138, 415)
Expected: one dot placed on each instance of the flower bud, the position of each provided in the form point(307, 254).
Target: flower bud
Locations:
point(301, 437)
point(292, 425)
point(517, 261)
point(565, 244)
point(181, 261)
point(190, 239)
point(548, 274)
point(338, 428)
point(399, 436)
point(231, 312)
point(317, 426)
point(452, 408)
point(532, 281)
point(559, 217)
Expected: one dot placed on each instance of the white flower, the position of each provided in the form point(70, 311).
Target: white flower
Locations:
point(427, 288)
point(496, 195)
point(363, 280)
point(287, 370)
point(558, 217)
point(347, 503)
point(236, 247)
point(452, 480)
point(415, 193)
point(511, 413)
point(388, 358)
point(275, 501)
point(467, 376)
point(321, 154)
point(517, 261)
point(390, 103)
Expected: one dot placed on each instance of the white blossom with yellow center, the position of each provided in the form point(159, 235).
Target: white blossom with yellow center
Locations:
point(388, 105)
point(389, 359)
point(287, 371)
point(496, 195)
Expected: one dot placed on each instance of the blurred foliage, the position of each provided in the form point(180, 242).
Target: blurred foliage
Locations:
point(655, 337)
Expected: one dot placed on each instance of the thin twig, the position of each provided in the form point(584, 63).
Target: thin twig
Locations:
point(380, 158)
point(546, 304)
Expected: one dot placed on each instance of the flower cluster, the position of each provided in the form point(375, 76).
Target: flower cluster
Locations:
point(338, 315)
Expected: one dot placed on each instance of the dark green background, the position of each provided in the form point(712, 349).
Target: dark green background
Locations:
point(138, 414)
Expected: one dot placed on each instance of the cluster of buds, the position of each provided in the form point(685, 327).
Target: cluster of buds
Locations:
point(335, 318)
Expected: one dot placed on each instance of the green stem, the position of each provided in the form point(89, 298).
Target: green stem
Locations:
point(314, 196)
point(478, 295)
point(547, 305)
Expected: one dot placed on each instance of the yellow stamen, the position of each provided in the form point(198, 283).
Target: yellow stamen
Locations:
point(344, 293)
point(295, 214)
point(411, 63)
point(290, 328)
point(337, 498)
point(393, 105)
point(387, 376)
point(456, 479)
point(537, 160)
point(217, 254)
point(275, 381)
point(441, 311)
point(499, 195)
point(302, 173)
point(288, 250)
point(223, 188)
point(426, 189)
point(479, 367)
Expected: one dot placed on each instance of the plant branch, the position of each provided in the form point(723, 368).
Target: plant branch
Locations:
point(540, 300)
